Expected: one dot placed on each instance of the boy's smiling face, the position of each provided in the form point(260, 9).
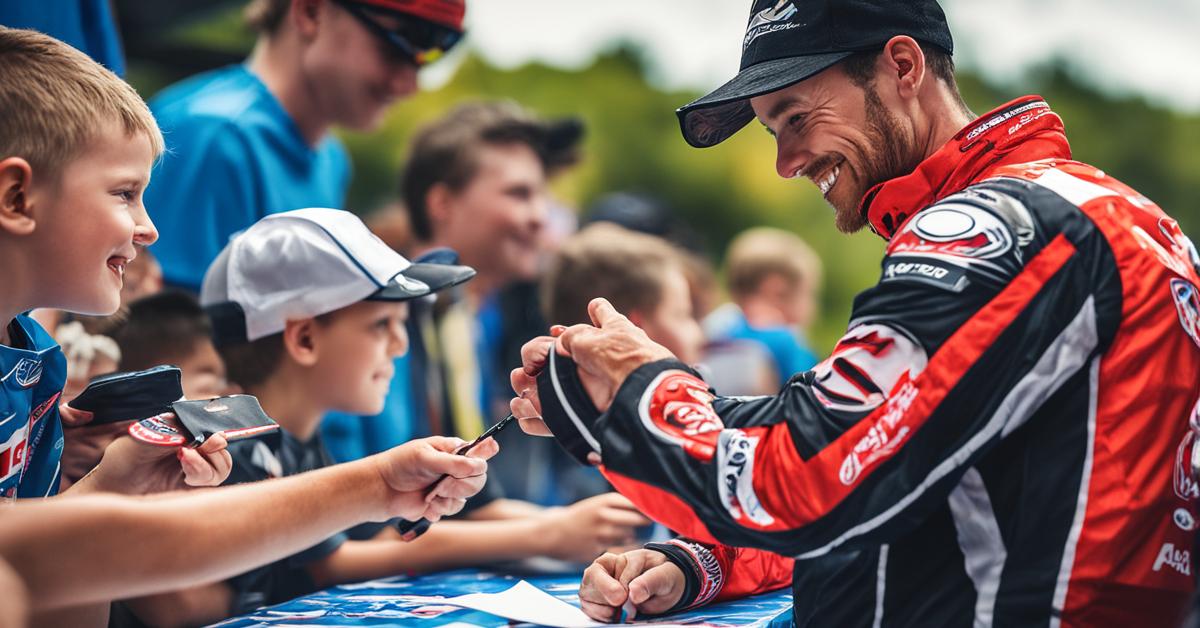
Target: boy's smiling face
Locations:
point(357, 346)
point(89, 220)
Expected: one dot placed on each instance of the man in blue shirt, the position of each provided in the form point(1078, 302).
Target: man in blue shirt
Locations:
point(253, 139)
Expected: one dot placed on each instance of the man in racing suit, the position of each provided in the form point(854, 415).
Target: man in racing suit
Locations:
point(1000, 438)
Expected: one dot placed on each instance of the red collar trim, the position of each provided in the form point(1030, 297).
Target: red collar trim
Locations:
point(1020, 131)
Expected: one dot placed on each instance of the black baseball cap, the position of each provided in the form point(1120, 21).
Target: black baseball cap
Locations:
point(788, 41)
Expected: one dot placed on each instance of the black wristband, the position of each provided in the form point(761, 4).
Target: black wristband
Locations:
point(691, 575)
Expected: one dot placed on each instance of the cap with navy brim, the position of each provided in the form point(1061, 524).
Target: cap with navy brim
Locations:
point(419, 280)
point(712, 119)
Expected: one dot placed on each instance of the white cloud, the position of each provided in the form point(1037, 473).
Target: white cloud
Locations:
point(1148, 48)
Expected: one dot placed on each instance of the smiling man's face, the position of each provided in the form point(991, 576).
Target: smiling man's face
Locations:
point(839, 135)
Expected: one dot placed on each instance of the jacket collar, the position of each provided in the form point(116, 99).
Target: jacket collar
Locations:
point(1021, 131)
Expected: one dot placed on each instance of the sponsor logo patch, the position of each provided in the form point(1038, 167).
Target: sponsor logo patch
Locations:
point(1004, 116)
point(1184, 519)
point(1177, 559)
point(27, 372)
point(959, 231)
point(1184, 482)
point(883, 439)
point(736, 473)
point(770, 20)
point(680, 412)
point(1187, 304)
point(928, 272)
point(157, 431)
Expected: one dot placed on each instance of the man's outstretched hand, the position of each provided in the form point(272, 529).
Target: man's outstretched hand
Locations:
point(605, 353)
point(412, 471)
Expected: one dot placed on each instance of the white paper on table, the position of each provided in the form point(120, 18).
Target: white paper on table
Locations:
point(527, 603)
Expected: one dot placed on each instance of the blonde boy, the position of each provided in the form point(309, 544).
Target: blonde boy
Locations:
point(76, 147)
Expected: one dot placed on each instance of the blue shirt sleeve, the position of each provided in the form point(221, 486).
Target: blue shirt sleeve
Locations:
point(204, 190)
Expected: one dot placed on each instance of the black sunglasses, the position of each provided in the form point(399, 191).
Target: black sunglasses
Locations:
point(417, 40)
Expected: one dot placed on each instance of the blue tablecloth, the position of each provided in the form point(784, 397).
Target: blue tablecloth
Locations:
point(415, 602)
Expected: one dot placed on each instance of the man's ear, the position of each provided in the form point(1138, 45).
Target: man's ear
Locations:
point(300, 341)
point(305, 15)
point(16, 176)
point(904, 60)
point(438, 203)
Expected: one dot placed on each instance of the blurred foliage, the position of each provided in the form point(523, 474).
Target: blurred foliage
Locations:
point(633, 143)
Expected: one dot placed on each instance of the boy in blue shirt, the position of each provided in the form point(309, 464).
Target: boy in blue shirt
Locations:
point(76, 147)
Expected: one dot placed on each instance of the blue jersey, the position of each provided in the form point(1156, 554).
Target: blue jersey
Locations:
point(234, 155)
point(32, 374)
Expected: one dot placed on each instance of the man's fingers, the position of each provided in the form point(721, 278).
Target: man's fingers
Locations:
point(566, 343)
point(603, 314)
point(658, 589)
point(599, 586)
point(635, 563)
point(533, 354)
point(600, 612)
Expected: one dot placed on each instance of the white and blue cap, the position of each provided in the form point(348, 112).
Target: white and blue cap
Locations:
point(305, 263)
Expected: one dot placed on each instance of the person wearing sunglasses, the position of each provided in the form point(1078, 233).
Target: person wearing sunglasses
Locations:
point(254, 138)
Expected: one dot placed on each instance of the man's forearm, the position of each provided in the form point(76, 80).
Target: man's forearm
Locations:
point(100, 547)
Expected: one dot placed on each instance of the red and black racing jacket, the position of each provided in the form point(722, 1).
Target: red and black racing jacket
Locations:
point(1000, 438)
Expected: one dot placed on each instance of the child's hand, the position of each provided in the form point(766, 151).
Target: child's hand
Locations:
point(584, 530)
point(412, 472)
point(136, 468)
point(83, 444)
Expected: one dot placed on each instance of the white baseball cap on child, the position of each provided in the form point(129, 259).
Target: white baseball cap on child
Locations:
point(305, 263)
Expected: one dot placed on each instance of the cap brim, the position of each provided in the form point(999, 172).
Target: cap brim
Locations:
point(712, 119)
point(419, 280)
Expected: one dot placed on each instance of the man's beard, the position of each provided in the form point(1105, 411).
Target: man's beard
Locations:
point(889, 154)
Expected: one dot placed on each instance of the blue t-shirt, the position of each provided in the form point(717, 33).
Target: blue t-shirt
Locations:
point(234, 155)
point(791, 354)
point(87, 25)
point(32, 374)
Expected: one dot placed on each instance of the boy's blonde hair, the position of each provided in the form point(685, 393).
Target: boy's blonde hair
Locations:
point(54, 99)
point(606, 260)
point(760, 252)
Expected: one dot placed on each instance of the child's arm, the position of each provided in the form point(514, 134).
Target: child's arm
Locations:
point(197, 606)
point(104, 547)
point(579, 533)
point(504, 509)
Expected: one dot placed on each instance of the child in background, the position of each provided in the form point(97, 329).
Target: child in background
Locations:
point(774, 279)
point(641, 275)
point(171, 328)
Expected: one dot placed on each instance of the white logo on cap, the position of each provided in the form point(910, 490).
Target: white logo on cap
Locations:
point(770, 20)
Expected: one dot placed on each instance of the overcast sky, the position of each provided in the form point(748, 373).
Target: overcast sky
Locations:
point(1148, 47)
